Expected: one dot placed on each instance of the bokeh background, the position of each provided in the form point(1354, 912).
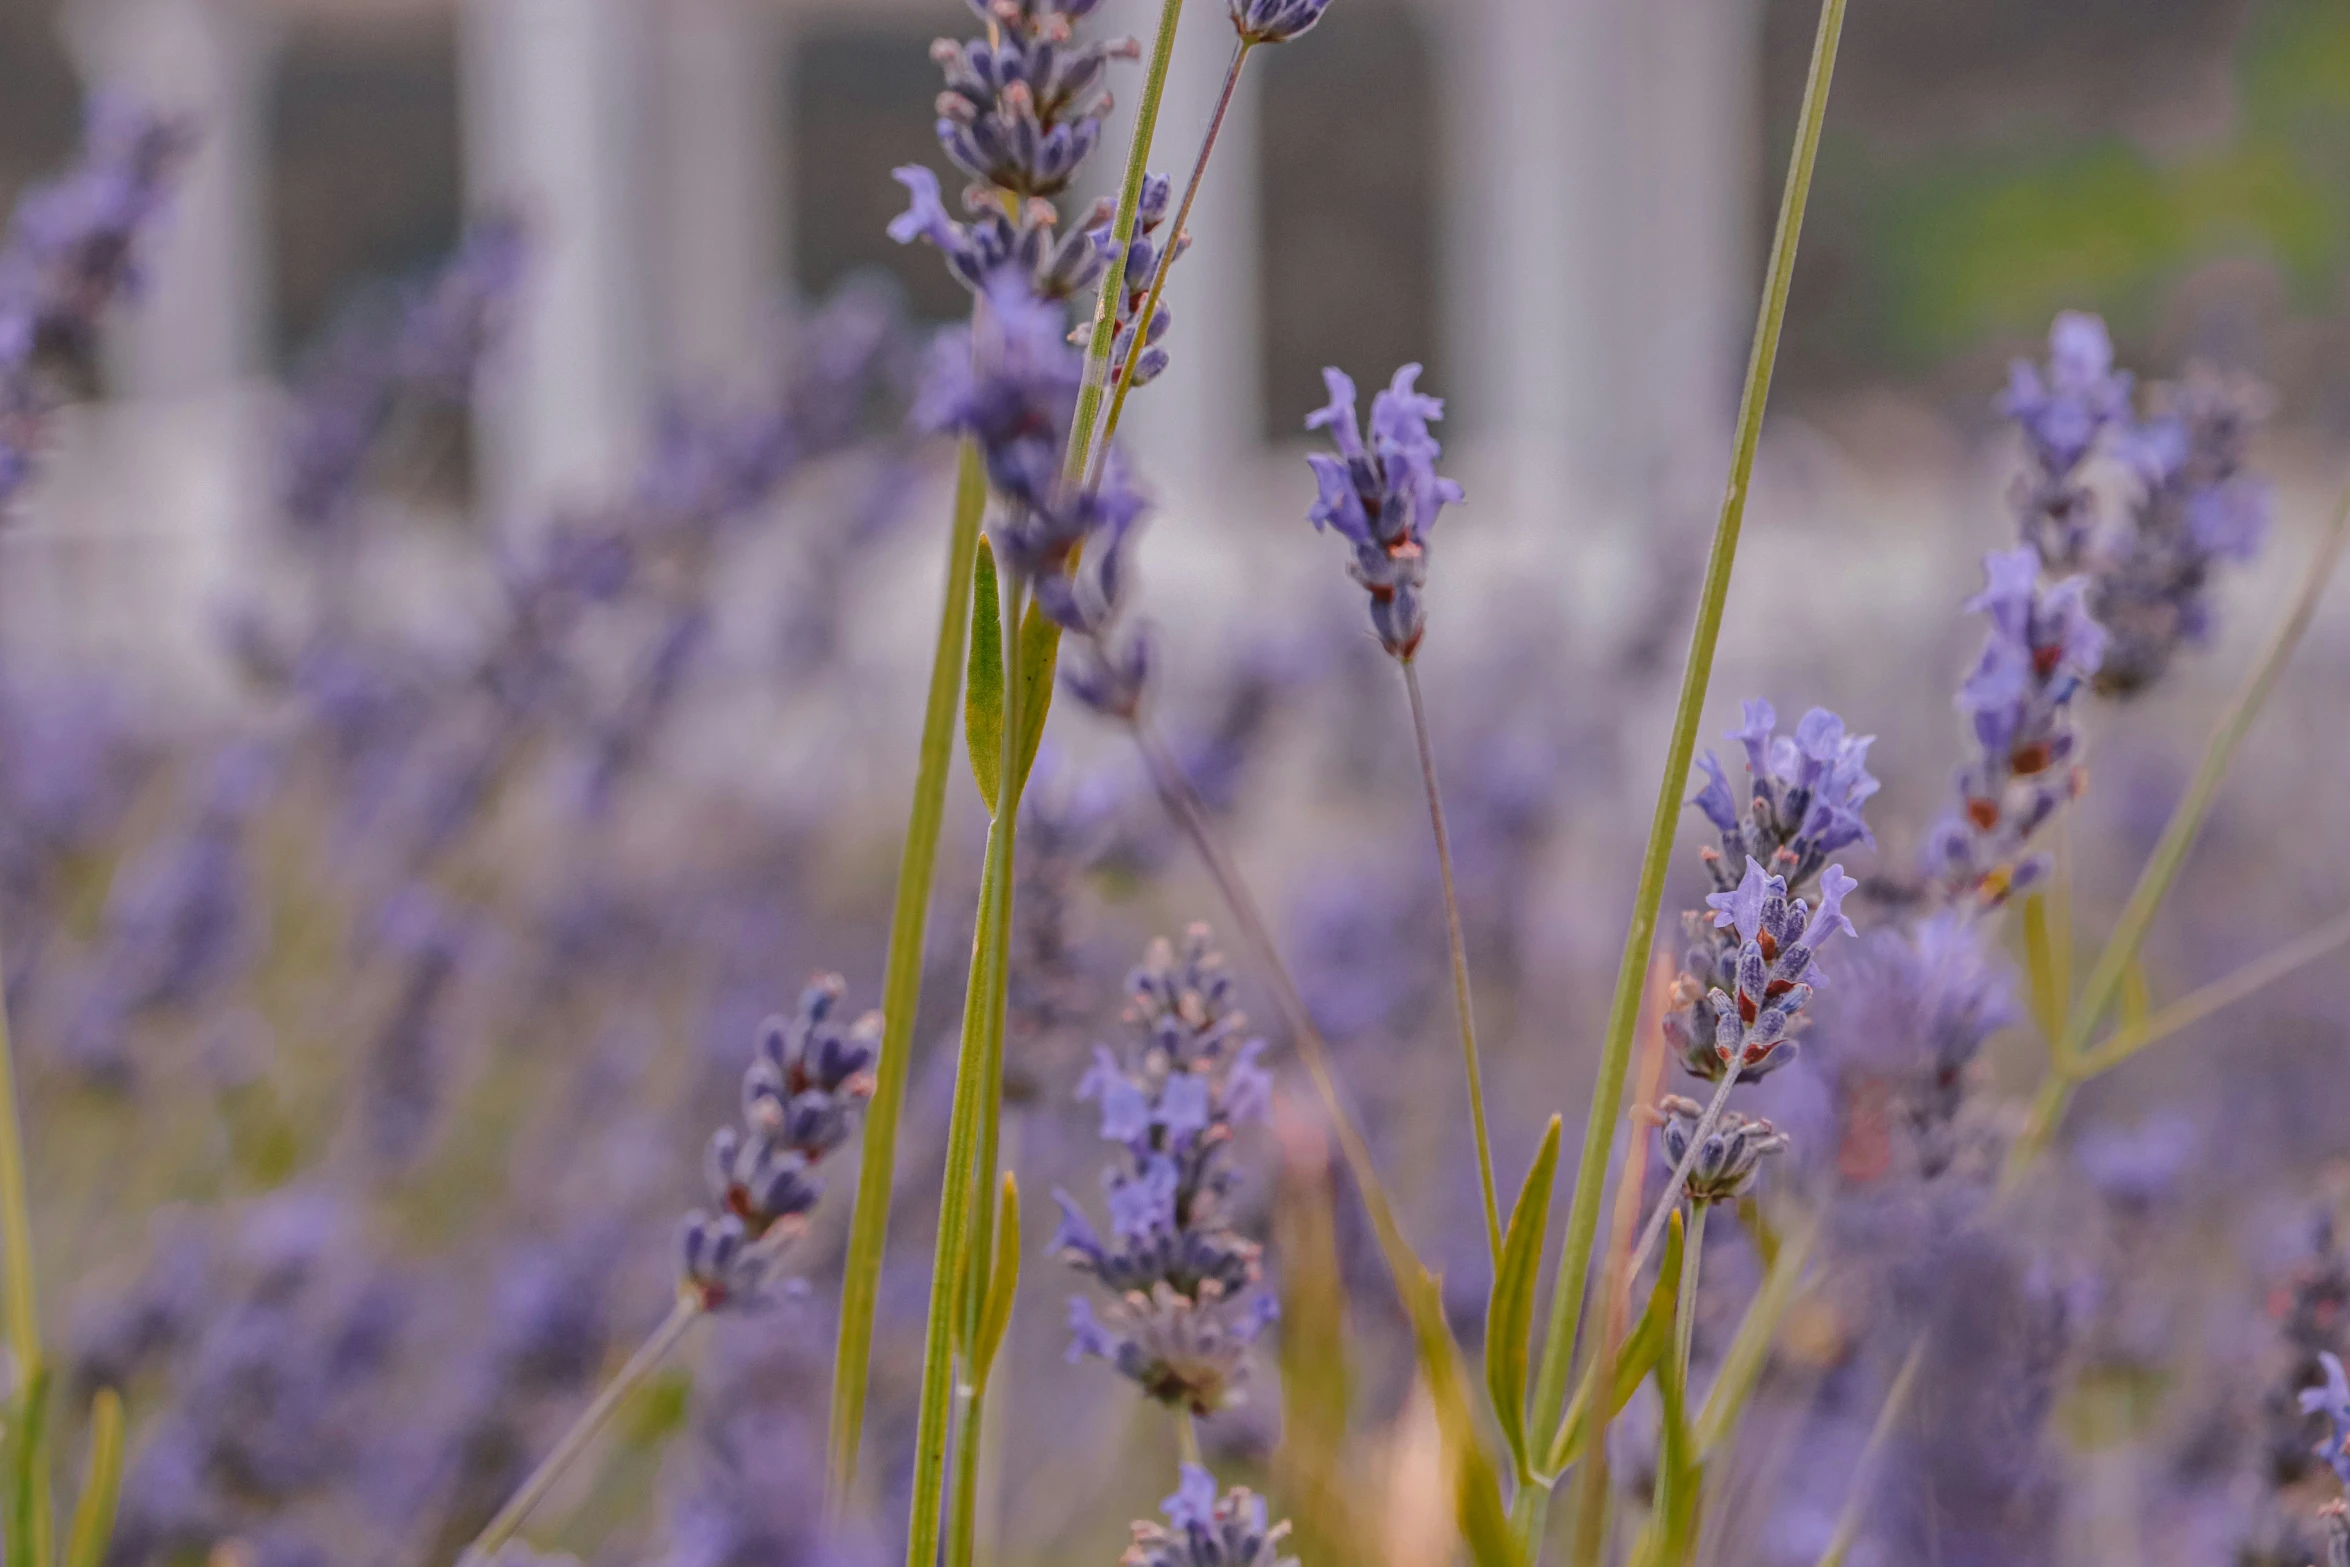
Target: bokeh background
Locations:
point(375, 1016)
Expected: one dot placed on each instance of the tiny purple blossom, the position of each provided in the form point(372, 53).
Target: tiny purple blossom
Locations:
point(1383, 499)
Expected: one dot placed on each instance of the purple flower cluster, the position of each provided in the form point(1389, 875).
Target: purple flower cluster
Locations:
point(2041, 648)
point(1055, 265)
point(1204, 1529)
point(807, 1085)
point(1185, 1313)
point(1802, 800)
point(1383, 498)
point(1021, 111)
point(74, 248)
point(1728, 1157)
point(2148, 568)
point(1274, 21)
point(1011, 387)
point(1748, 972)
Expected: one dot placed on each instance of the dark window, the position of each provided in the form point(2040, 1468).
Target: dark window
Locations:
point(365, 182)
point(860, 105)
point(1349, 196)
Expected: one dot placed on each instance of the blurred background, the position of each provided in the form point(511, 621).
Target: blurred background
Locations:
point(1558, 208)
point(343, 953)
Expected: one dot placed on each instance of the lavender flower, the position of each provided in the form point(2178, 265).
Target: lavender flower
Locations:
point(1143, 259)
point(1207, 1530)
point(1738, 1000)
point(805, 1089)
point(1729, 1158)
point(2062, 414)
point(1274, 21)
point(73, 249)
point(2331, 1398)
point(1802, 800)
point(1383, 498)
point(2201, 507)
point(1055, 265)
point(2041, 648)
point(1022, 112)
point(1184, 1316)
point(1013, 389)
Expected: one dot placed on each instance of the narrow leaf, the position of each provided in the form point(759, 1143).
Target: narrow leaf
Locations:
point(1760, 1230)
point(1003, 1283)
point(2137, 1003)
point(93, 1514)
point(983, 682)
point(2040, 964)
point(26, 1440)
point(1477, 1488)
point(1040, 653)
point(1509, 1315)
point(901, 991)
point(1646, 1345)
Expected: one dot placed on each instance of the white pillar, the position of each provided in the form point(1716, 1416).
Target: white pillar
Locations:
point(1194, 425)
point(555, 103)
point(720, 193)
point(147, 515)
point(1599, 269)
point(201, 323)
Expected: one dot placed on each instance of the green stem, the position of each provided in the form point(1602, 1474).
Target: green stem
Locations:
point(16, 1256)
point(1150, 303)
point(901, 993)
point(1685, 1303)
point(964, 1532)
point(1567, 1291)
point(1105, 303)
point(2204, 1000)
point(1671, 1196)
point(2170, 852)
point(573, 1442)
point(1186, 1437)
point(957, 1287)
point(1856, 1504)
point(1460, 957)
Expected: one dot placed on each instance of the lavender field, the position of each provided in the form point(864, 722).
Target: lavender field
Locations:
point(894, 950)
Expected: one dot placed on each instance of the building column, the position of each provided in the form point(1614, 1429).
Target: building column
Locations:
point(555, 100)
point(1600, 259)
point(153, 495)
point(720, 192)
point(1198, 422)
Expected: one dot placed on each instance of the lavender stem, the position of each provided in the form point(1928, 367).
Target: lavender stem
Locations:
point(1671, 1195)
point(1460, 956)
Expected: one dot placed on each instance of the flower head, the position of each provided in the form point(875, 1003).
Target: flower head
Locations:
point(2331, 1398)
point(2041, 647)
point(1274, 21)
point(1802, 799)
point(1207, 1530)
point(1383, 497)
point(1021, 112)
point(1056, 265)
point(803, 1093)
point(1183, 1274)
point(1747, 980)
point(1729, 1158)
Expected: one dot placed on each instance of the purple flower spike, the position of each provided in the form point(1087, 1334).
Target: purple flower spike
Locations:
point(1185, 1279)
point(1204, 1529)
point(1274, 21)
point(1802, 801)
point(1383, 499)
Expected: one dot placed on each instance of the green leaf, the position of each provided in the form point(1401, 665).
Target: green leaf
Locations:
point(1477, 1488)
point(983, 683)
point(93, 1514)
point(2048, 1000)
point(901, 991)
point(1040, 653)
point(1648, 1342)
point(26, 1438)
point(1003, 1283)
point(1509, 1315)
